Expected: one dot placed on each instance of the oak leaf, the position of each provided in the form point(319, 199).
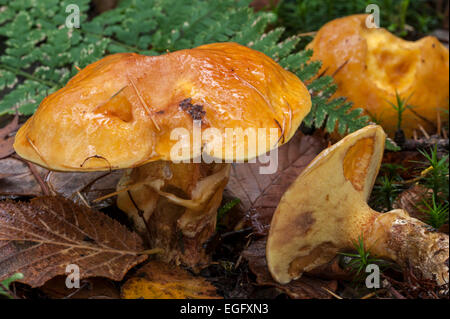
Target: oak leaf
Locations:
point(42, 237)
point(158, 280)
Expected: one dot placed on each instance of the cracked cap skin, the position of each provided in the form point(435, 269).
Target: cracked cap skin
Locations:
point(119, 112)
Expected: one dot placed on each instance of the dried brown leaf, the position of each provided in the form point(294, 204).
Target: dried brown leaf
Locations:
point(40, 238)
point(16, 179)
point(303, 288)
point(6, 138)
point(6, 147)
point(261, 193)
point(158, 280)
point(90, 185)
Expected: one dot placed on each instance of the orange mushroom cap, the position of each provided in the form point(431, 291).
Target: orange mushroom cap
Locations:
point(370, 65)
point(119, 112)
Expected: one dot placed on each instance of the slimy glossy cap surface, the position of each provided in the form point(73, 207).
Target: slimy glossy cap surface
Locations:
point(120, 111)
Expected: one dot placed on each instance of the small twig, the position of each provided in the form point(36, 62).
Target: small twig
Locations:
point(323, 73)
point(414, 287)
point(84, 285)
point(395, 293)
point(422, 117)
point(83, 199)
point(438, 121)
point(141, 214)
point(36, 175)
point(391, 289)
point(88, 185)
point(423, 131)
point(235, 232)
point(125, 189)
point(415, 135)
point(141, 99)
point(238, 261)
point(9, 291)
point(36, 149)
point(98, 157)
point(14, 290)
point(282, 131)
point(112, 96)
point(374, 293)
point(332, 293)
point(307, 34)
point(339, 68)
point(418, 178)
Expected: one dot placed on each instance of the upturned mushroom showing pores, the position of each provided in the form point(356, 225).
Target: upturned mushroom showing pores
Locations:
point(325, 211)
point(122, 111)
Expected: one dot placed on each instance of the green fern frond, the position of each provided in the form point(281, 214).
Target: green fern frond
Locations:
point(332, 114)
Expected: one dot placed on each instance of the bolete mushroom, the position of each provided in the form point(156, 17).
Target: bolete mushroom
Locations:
point(325, 211)
point(147, 113)
point(371, 65)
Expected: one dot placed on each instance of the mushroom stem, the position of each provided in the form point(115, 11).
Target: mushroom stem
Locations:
point(409, 242)
point(325, 211)
point(178, 204)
